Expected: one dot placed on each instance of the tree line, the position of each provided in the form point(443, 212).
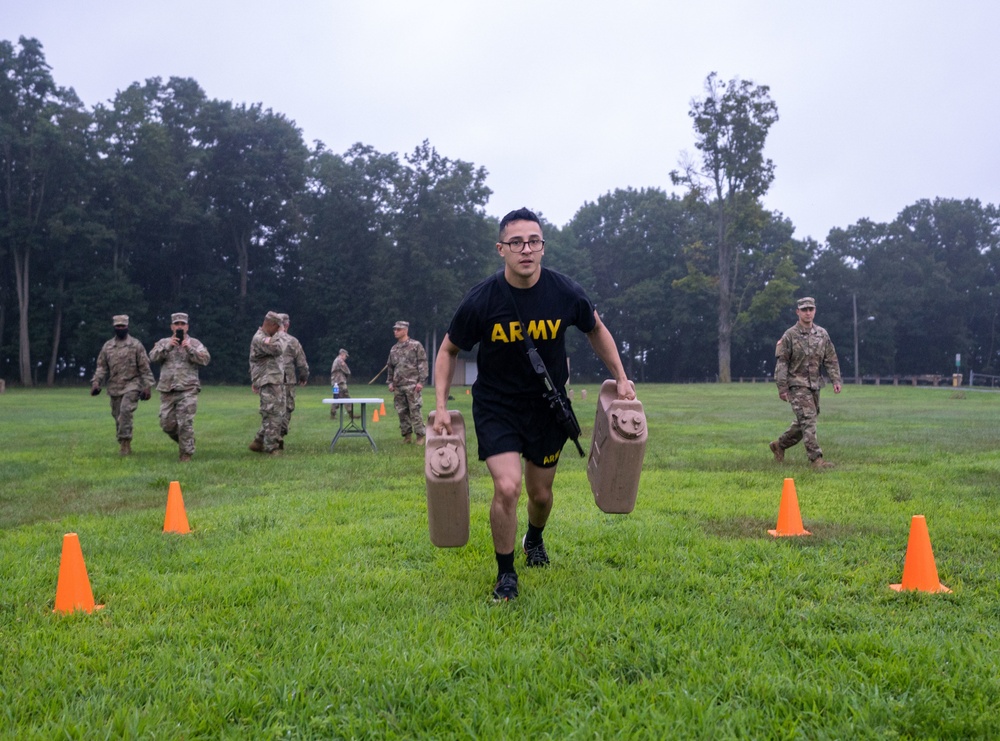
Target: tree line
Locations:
point(165, 200)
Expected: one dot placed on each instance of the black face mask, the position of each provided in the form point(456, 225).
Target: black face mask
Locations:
point(121, 333)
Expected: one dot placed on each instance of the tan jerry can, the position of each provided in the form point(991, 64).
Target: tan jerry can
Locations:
point(447, 473)
point(617, 448)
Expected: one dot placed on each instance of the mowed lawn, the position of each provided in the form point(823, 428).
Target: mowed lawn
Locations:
point(309, 602)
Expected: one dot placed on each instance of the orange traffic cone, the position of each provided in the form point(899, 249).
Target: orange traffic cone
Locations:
point(381, 411)
point(467, 391)
point(789, 519)
point(176, 520)
point(73, 588)
point(375, 416)
point(919, 571)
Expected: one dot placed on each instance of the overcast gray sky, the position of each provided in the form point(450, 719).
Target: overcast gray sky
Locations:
point(881, 102)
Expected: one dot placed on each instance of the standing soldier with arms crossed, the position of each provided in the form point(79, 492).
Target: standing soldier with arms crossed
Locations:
point(296, 371)
point(267, 376)
point(513, 419)
point(802, 353)
point(179, 386)
point(123, 363)
point(407, 372)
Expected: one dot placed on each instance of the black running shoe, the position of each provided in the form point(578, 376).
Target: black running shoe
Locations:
point(506, 587)
point(535, 554)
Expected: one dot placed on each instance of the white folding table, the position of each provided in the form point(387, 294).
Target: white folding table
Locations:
point(351, 429)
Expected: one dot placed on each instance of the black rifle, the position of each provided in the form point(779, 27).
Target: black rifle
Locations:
point(557, 401)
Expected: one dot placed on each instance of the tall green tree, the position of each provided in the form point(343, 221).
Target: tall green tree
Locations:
point(348, 212)
point(42, 135)
point(442, 241)
point(255, 174)
point(731, 124)
point(632, 240)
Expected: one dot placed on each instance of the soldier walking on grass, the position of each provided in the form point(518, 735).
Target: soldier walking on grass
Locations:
point(267, 376)
point(181, 356)
point(407, 372)
point(296, 371)
point(122, 362)
point(802, 353)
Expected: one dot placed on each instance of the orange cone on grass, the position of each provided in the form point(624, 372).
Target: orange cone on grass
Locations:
point(919, 571)
point(381, 411)
point(375, 416)
point(176, 520)
point(73, 588)
point(789, 518)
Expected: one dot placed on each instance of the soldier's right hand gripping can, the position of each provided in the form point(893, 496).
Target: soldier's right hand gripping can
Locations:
point(447, 474)
point(617, 448)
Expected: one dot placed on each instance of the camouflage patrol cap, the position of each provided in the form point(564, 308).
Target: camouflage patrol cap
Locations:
point(119, 320)
point(807, 302)
point(273, 316)
point(283, 318)
point(344, 353)
point(180, 316)
point(401, 325)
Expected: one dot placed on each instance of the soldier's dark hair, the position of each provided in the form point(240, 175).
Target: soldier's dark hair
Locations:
point(521, 214)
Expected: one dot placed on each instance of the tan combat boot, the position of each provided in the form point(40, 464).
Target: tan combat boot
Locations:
point(779, 453)
point(421, 439)
point(406, 438)
point(184, 458)
point(126, 448)
point(819, 464)
point(256, 446)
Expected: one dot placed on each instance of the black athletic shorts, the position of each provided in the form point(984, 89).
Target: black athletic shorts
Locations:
point(528, 427)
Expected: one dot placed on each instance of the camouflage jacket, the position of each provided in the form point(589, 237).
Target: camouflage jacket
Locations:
point(339, 372)
point(125, 366)
point(267, 362)
point(179, 371)
point(407, 364)
point(801, 356)
point(296, 367)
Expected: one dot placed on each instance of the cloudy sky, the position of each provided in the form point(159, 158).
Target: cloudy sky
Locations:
point(881, 102)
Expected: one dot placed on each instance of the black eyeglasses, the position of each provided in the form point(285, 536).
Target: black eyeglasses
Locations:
point(518, 245)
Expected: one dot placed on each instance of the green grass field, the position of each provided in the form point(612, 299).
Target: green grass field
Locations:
point(309, 602)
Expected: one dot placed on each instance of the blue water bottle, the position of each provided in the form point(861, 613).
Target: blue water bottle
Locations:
point(336, 391)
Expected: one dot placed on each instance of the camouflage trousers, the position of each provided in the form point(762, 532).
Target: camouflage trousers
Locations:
point(272, 416)
point(122, 409)
point(289, 408)
point(409, 405)
point(177, 410)
point(342, 393)
point(805, 405)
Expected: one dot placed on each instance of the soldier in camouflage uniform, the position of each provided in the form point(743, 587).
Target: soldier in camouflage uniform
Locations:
point(123, 363)
point(296, 371)
point(181, 355)
point(802, 352)
point(340, 374)
point(407, 372)
point(267, 375)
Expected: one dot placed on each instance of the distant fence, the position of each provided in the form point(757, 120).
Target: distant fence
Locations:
point(920, 379)
point(984, 379)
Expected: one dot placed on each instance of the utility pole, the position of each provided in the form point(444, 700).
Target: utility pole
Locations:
point(857, 372)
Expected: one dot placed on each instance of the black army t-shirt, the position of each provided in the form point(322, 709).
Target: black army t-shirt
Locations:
point(548, 308)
